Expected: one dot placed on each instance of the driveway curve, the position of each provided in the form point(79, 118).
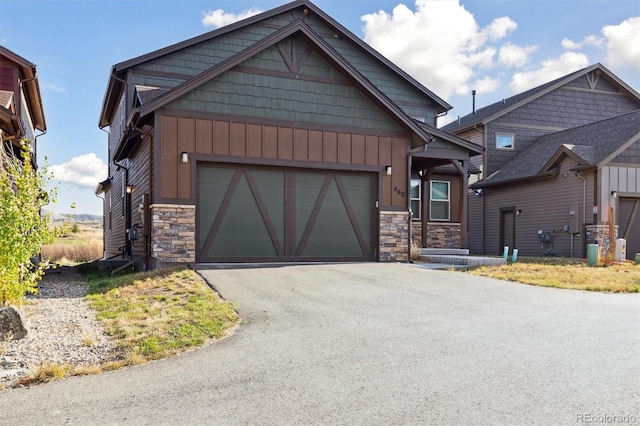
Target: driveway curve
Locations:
point(375, 344)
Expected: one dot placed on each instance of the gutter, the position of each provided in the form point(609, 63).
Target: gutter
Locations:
point(551, 173)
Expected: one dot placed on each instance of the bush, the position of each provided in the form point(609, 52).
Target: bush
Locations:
point(22, 228)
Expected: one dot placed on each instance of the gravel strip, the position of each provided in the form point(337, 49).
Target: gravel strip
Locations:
point(61, 329)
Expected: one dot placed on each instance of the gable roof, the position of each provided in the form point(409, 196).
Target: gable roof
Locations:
point(304, 31)
point(118, 72)
point(31, 87)
point(593, 144)
point(500, 108)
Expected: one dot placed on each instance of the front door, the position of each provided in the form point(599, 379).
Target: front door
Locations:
point(507, 228)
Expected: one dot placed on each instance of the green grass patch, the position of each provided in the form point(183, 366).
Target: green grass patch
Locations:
point(154, 315)
point(566, 273)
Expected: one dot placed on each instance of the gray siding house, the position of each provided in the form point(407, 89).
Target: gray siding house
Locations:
point(282, 137)
point(556, 158)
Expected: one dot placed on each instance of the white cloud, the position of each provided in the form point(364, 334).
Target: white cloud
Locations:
point(551, 69)
point(56, 88)
point(219, 18)
point(440, 43)
point(482, 85)
point(515, 56)
point(84, 171)
point(570, 44)
point(623, 43)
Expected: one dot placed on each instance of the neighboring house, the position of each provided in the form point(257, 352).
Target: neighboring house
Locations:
point(21, 110)
point(283, 137)
point(557, 156)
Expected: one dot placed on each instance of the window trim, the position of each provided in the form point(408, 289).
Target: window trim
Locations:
point(509, 135)
point(448, 201)
point(416, 215)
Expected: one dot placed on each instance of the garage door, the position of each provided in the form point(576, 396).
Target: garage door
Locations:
point(265, 214)
point(629, 224)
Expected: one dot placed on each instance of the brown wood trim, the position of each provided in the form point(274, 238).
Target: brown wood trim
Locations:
point(311, 165)
point(283, 53)
point(304, 57)
point(170, 112)
point(263, 211)
point(290, 214)
point(221, 213)
point(352, 215)
point(314, 214)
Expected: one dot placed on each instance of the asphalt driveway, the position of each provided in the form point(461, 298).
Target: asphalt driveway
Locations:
point(375, 344)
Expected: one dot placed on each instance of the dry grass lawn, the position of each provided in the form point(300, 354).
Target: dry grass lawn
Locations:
point(567, 274)
point(70, 248)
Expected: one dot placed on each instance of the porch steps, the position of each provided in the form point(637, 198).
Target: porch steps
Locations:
point(456, 257)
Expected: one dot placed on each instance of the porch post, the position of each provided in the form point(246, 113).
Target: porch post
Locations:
point(462, 168)
point(424, 213)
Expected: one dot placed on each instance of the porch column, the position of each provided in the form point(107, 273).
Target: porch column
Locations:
point(462, 168)
point(425, 175)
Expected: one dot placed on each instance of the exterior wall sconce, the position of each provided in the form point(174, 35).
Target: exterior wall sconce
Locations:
point(185, 157)
point(387, 169)
point(518, 212)
point(129, 189)
point(614, 194)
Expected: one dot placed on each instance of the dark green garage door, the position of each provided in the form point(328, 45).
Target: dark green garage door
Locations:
point(265, 214)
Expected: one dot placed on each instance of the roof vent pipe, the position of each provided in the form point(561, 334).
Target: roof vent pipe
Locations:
point(473, 96)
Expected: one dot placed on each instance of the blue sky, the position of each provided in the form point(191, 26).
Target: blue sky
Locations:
point(498, 47)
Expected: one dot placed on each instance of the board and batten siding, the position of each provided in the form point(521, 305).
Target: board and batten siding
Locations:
point(544, 206)
point(213, 139)
point(624, 179)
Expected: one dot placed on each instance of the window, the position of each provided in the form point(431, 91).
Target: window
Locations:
point(440, 201)
point(414, 194)
point(504, 141)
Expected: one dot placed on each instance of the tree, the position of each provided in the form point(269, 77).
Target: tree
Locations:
point(22, 227)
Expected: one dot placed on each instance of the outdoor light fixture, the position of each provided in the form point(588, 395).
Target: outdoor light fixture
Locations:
point(518, 212)
point(387, 169)
point(614, 194)
point(129, 189)
point(185, 157)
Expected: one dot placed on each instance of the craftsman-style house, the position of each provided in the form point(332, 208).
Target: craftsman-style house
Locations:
point(556, 157)
point(282, 137)
point(21, 110)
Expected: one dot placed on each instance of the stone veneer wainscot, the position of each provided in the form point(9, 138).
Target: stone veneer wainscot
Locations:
point(443, 235)
point(173, 234)
point(394, 236)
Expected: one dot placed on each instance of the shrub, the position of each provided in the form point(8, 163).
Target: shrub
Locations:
point(22, 228)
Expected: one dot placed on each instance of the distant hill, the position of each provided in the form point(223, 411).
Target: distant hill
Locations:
point(76, 217)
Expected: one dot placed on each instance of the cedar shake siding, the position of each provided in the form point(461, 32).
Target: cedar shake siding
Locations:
point(570, 106)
